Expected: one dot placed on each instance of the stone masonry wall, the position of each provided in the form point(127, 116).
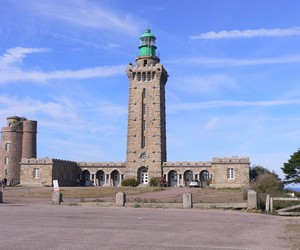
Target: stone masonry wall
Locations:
point(220, 168)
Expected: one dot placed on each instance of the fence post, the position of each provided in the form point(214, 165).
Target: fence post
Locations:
point(187, 200)
point(252, 199)
point(1, 197)
point(271, 204)
point(56, 198)
point(120, 199)
point(267, 203)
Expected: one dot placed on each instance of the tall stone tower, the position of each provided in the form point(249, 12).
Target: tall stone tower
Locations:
point(18, 141)
point(146, 135)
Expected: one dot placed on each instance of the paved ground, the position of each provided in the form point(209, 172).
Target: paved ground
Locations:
point(39, 225)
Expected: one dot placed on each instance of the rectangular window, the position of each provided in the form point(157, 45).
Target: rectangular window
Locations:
point(36, 173)
point(5, 171)
point(230, 173)
point(6, 160)
point(7, 146)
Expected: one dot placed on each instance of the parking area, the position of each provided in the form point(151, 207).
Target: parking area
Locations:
point(44, 226)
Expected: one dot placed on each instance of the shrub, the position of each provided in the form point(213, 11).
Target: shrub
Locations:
point(129, 182)
point(266, 183)
point(157, 182)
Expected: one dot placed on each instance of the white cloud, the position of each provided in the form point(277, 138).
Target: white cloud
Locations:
point(228, 103)
point(212, 123)
point(11, 71)
point(40, 76)
point(229, 62)
point(212, 35)
point(86, 14)
point(30, 107)
point(15, 55)
point(196, 84)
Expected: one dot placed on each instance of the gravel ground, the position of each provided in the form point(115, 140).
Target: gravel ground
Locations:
point(33, 223)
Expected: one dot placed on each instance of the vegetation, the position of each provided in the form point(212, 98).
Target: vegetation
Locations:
point(129, 182)
point(258, 170)
point(157, 182)
point(264, 182)
point(291, 169)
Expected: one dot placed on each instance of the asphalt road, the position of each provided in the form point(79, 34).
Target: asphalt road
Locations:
point(46, 226)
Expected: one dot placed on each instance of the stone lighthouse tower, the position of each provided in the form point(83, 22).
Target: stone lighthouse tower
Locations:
point(18, 141)
point(146, 135)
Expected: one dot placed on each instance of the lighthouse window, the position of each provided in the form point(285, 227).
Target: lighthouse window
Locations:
point(148, 77)
point(145, 63)
point(6, 160)
point(139, 76)
point(7, 146)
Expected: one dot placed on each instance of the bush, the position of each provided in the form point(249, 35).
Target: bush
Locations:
point(129, 182)
point(264, 184)
point(157, 182)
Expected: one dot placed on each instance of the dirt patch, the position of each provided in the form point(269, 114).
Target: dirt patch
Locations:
point(199, 195)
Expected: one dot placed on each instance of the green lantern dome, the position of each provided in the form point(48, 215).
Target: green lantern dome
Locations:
point(147, 44)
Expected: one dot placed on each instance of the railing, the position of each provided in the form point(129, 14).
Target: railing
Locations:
point(283, 211)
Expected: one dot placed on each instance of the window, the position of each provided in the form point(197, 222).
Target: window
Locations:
point(36, 173)
point(143, 156)
point(139, 77)
point(6, 160)
point(7, 146)
point(5, 171)
point(230, 173)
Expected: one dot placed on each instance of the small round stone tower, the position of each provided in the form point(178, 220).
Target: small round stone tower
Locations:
point(18, 141)
point(29, 139)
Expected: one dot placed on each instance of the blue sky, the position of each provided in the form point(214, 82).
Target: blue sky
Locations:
point(233, 88)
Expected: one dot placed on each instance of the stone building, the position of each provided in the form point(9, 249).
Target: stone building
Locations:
point(146, 152)
point(18, 141)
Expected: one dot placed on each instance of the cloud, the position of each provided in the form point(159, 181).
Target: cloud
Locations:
point(30, 107)
point(212, 35)
point(16, 55)
point(204, 84)
point(229, 62)
point(212, 123)
point(229, 103)
point(40, 76)
point(86, 14)
point(10, 70)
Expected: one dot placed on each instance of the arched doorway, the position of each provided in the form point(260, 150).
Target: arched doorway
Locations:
point(143, 176)
point(188, 176)
point(85, 181)
point(204, 178)
point(115, 178)
point(100, 176)
point(172, 178)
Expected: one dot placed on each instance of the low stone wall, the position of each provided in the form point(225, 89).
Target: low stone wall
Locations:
point(187, 203)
